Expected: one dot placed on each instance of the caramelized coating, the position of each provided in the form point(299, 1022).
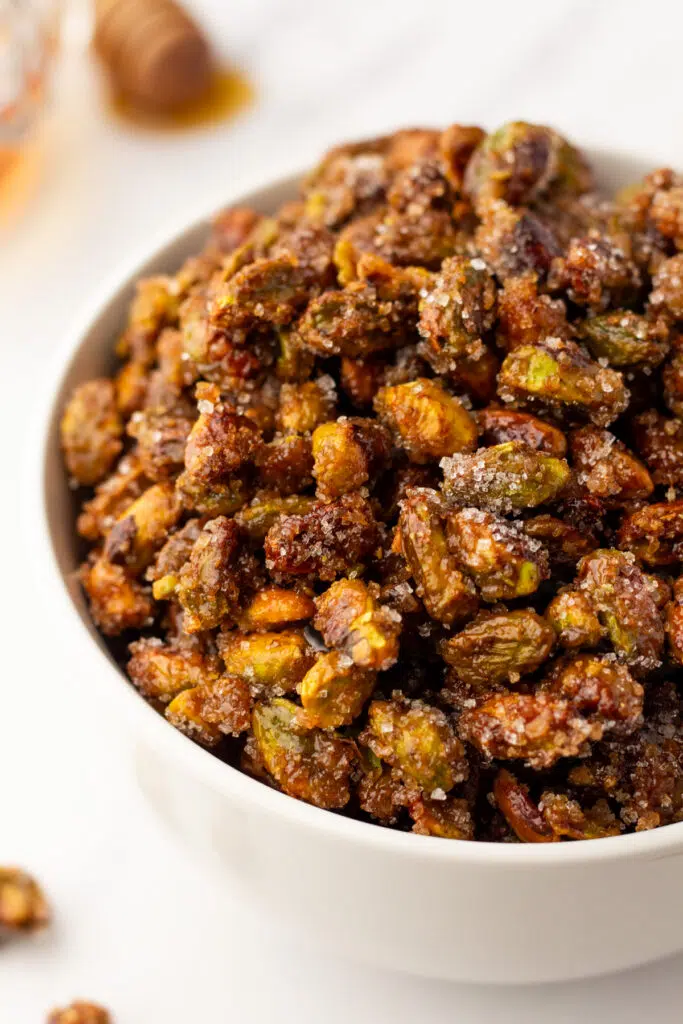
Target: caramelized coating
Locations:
point(565, 543)
point(672, 380)
point(334, 690)
point(520, 162)
point(661, 589)
point(369, 315)
point(515, 242)
point(666, 212)
point(256, 518)
point(162, 670)
point(142, 529)
point(457, 310)
point(405, 366)
point(601, 691)
point(294, 362)
point(211, 354)
point(23, 907)
point(347, 454)
point(222, 498)
point(111, 498)
point(412, 145)
point(286, 464)
point(271, 663)
point(304, 406)
point(220, 441)
point(116, 600)
point(448, 818)
point(306, 762)
point(221, 707)
point(624, 338)
point(521, 813)
point(379, 790)
point(572, 616)
point(526, 317)
point(417, 741)
point(397, 484)
point(418, 188)
point(349, 180)
point(596, 273)
point(644, 775)
point(232, 227)
point(350, 323)
point(417, 231)
point(607, 469)
point(275, 608)
point(539, 728)
point(500, 425)
point(633, 207)
point(660, 442)
point(355, 240)
point(557, 376)
point(360, 380)
point(666, 297)
point(654, 533)
point(674, 623)
point(208, 584)
point(80, 1012)
point(269, 290)
point(132, 384)
point(448, 595)
point(502, 560)
point(91, 430)
point(397, 590)
point(153, 307)
point(476, 378)
point(350, 619)
point(172, 557)
point(456, 146)
point(311, 246)
point(426, 420)
point(508, 477)
point(581, 700)
point(161, 440)
point(554, 816)
point(327, 541)
point(166, 397)
point(566, 817)
point(623, 599)
point(499, 648)
point(387, 490)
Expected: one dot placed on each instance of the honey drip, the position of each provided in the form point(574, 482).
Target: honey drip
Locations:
point(229, 93)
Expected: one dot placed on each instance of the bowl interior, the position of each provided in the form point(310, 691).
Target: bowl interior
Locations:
point(88, 352)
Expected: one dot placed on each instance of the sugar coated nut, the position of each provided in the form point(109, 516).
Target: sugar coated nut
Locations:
point(383, 503)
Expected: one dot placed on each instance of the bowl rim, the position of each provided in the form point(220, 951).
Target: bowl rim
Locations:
point(219, 776)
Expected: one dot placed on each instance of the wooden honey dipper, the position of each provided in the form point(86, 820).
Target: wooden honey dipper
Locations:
point(156, 55)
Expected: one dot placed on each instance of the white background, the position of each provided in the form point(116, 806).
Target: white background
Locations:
point(140, 925)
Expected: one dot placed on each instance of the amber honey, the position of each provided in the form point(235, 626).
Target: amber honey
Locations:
point(228, 94)
point(19, 174)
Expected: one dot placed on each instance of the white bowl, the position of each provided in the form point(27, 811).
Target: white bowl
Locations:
point(474, 912)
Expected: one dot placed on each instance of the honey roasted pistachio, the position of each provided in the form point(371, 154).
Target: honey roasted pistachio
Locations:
point(383, 502)
point(507, 477)
point(23, 907)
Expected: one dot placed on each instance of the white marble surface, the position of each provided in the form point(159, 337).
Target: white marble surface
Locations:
point(140, 925)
